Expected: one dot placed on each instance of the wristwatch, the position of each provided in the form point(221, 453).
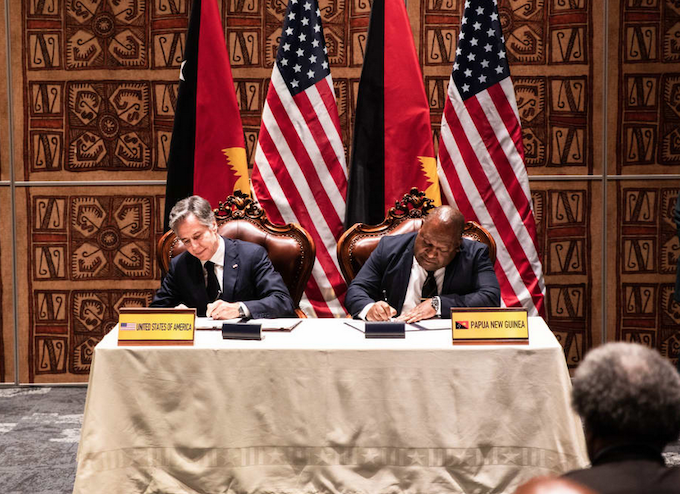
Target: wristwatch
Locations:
point(435, 305)
point(241, 312)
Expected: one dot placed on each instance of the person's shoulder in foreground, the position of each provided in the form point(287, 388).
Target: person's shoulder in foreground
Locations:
point(385, 287)
point(248, 285)
point(552, 485)
point(628, 397)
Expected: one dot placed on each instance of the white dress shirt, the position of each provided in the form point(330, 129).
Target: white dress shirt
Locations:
point(218, 260)
point(414, 290)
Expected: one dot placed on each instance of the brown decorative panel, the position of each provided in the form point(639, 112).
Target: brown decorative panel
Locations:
point(649, 98)
point(568, 221)
point(94, 92)
point(647, 250)
point(6, 290)
point(89, 253)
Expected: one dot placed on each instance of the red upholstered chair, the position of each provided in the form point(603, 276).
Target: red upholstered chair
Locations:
point(290, 247)
point(357, 243)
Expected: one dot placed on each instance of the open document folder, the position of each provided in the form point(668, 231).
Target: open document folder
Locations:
point(267, 324)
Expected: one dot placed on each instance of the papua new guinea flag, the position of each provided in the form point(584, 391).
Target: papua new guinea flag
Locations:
point(207, 150)
point(392, 147)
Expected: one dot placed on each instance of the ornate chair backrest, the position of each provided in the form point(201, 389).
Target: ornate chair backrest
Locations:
point(290, 247)
point(357, 243)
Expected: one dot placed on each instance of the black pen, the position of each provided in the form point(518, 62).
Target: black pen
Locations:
point(385, 295)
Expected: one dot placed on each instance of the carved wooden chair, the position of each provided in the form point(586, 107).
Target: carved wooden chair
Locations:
point(357, 243)
point(290, 247)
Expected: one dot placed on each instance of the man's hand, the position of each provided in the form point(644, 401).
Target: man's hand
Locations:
point(423, 310)
point(219, 309)
point(381, 311)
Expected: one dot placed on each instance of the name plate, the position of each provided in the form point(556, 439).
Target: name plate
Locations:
point(481, 325)
point(392, 329)
point(241, 331)
point(152, 326)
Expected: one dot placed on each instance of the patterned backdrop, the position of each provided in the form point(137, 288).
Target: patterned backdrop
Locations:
point(93, 91)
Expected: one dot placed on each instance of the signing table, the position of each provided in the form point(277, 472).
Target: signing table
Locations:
point(322, 409)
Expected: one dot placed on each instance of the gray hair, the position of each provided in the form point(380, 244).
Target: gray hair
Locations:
point(626, 389)
point(195, 205)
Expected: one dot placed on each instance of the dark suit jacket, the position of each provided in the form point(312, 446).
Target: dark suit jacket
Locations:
point(249, 277)
point(629, 470)
point(469, 280)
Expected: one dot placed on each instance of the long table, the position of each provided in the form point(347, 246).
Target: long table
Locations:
point(322, 409)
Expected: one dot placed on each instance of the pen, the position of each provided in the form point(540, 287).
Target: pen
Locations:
point(353, 326)
point(295, 325)
point(385, 295)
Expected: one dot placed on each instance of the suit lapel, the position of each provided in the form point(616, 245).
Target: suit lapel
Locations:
point(450, 274)
point(231, 269)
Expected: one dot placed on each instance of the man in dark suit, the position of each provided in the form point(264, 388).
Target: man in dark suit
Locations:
point(628, 397)
point(222, 278)
point(423, 275)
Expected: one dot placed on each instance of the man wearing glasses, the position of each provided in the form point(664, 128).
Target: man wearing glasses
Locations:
point(221, 277)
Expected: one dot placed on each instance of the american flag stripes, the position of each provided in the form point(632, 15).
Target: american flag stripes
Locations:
point(481, 157)
point(300, 175)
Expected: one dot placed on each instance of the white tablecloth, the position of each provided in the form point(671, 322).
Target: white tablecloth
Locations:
point(321, 409)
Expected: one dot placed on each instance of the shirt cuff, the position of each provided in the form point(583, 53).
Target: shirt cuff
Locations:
point(364, 311)
point(246, 311)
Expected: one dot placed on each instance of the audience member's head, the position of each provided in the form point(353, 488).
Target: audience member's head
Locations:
point(552, 485)
point(627, 393)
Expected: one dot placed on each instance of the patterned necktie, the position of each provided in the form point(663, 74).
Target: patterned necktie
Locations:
point(430, 286)
point(213, 287)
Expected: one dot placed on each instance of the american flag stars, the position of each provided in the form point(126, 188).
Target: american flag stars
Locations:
point(302, 53)
point(480, 54)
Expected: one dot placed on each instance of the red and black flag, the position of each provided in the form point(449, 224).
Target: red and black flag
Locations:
point(207, 150)
point(392, 147)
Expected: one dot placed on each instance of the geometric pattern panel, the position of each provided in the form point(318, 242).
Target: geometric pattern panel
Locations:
point(67, 324)
point(564, 219)
point(107, 126)
point(91, 237)
point(89, 254)
point(647, 253)
point(649, 108)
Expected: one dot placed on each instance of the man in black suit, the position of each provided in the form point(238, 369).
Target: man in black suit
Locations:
point(423, 275)
point(222, 278)
point(628, 397)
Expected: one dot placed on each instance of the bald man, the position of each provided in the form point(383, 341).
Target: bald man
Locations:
point(552, 485)
point(421, 275)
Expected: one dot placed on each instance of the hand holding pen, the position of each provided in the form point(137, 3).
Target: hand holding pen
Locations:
point(381, 310)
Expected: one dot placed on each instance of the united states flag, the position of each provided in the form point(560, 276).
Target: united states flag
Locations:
point(481, 157)
point(300, 174)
